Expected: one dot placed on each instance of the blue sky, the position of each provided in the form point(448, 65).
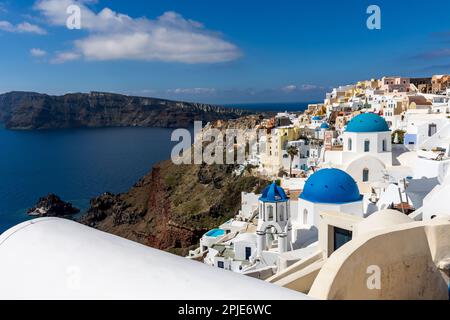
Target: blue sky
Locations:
point(217, 51)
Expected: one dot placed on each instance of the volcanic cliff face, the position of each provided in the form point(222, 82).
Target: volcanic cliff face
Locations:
point(28, 110)
point(174, 205)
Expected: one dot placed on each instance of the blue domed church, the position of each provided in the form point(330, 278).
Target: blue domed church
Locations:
point(367, 149)
point(274, 223)
point(328, 190)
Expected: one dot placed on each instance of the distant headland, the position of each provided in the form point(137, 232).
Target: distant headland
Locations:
point(31, 110)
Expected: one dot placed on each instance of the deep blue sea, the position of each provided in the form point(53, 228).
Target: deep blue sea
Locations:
point(79, 164)
point(76, 164)
point(276, 107)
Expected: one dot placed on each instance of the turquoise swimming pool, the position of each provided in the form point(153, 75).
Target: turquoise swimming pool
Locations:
point(215, 233)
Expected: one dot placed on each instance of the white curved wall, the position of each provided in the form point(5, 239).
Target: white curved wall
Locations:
point(314, 211)
point(373, 164)
point(405, 258)
point(51, 258)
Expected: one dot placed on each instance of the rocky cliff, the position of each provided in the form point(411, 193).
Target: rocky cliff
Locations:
point(52, 206)
point(29, 110)
point(173, 206)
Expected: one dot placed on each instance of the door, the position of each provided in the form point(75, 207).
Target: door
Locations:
point(248, 253)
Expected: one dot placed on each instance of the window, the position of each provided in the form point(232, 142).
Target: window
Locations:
point(248, 253)
point(432, 129)
point(384, 145)
point(366, 146)
point(349, 144)
point(341, 237)
point(280, 214)
point(305, 216)
point(220, 264)
point(270, 211)
point(365, 175)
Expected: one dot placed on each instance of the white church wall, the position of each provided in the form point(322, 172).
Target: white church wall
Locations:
point(374, 166)
point(358, 140)
point(353, 208)
point(305, 215)
point(313, 211)
point(377, 148)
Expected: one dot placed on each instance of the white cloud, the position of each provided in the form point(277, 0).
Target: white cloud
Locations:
point(115, 36)
point(62, 57)
point(192, 91)
point(303, 87)
point(307, 87)
point(30, 28)
point(289, 88)
point(36, 52)
point(6, 26)
point(24, 27)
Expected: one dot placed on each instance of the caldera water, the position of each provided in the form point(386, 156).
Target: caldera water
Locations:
point(75, 164)
point(80, 164)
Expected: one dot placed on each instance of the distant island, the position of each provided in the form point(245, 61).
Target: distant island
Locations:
point(30, 111)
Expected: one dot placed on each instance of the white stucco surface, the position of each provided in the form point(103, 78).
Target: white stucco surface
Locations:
point(51, 258)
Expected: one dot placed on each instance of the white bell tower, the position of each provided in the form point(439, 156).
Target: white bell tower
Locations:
point(274, 222)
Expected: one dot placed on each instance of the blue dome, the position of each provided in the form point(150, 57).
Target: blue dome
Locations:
point(273, 193)
point(324, 126)
point(367, 122)
point(331, 186)
point(316, 118)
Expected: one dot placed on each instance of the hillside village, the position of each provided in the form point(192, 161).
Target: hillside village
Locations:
point(368, 167)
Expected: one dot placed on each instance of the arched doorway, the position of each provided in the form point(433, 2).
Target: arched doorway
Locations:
point(275, 229)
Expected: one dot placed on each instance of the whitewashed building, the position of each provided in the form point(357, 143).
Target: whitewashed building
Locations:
point(367, 149)
point(328, 190)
